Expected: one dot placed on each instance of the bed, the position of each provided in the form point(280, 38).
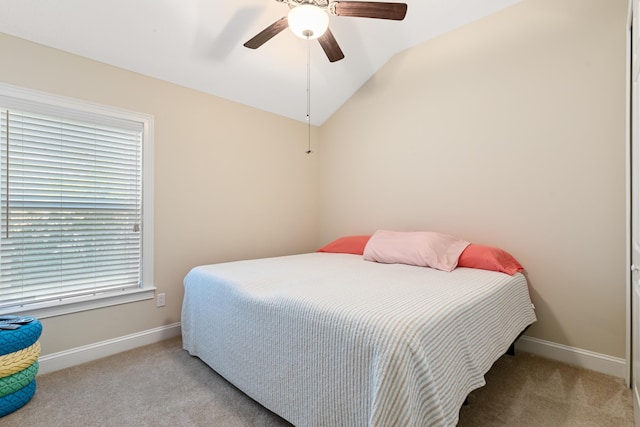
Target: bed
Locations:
point(330, 339)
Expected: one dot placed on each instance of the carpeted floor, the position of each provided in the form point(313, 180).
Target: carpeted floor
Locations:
point(161, 385)
point(529, 391)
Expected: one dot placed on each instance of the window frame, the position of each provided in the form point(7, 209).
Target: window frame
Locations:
point(18, 97)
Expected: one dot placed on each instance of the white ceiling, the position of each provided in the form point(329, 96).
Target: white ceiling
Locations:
point(199, 44)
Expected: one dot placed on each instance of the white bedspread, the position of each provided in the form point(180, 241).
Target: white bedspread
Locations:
point(332, 340)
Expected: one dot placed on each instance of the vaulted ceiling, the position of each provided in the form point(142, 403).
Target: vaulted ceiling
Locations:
point(199, 44)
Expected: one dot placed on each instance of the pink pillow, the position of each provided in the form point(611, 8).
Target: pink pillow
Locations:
point(346, 245)
point(488, 258)
point(421, 248)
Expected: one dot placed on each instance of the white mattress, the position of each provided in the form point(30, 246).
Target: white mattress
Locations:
point(327, 339)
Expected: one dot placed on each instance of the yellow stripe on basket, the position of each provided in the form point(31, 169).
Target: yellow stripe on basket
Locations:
point(19, 360)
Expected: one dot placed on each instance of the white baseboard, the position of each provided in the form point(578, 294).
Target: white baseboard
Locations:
point(598, 362)
point(75, 356)
point(571, 355)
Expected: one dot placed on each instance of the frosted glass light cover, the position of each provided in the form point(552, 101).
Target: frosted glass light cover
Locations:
point(308, 22)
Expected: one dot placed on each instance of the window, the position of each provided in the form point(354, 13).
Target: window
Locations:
point(75, 204)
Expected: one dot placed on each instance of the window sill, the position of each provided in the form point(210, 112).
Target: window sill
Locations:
point(75, 305)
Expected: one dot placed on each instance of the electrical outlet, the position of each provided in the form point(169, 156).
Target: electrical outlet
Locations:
point(160, 300)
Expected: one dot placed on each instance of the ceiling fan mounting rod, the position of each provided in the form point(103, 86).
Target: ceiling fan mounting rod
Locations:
point(322, 4)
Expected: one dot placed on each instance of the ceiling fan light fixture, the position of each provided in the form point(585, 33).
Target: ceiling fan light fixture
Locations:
point(308, 21)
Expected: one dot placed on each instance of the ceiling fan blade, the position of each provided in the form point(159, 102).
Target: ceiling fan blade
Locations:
point(330, 46)
point(267, 34)
point(369, 9)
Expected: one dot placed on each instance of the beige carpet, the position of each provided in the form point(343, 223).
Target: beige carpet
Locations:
point(161, 385)
point(526, 390)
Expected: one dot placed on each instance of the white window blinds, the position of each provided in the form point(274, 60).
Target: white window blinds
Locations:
point(70, 206)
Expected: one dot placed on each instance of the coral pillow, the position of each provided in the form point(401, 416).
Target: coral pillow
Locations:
point(421, 248)
point(346, 245)
point(488, 258)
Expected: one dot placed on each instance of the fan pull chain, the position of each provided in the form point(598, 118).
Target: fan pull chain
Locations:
point(308, 96)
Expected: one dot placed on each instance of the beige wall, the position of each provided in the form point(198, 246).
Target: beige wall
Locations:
point(508, 132)
point(230, 182)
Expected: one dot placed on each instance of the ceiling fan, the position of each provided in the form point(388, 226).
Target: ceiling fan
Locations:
point(309, 19)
